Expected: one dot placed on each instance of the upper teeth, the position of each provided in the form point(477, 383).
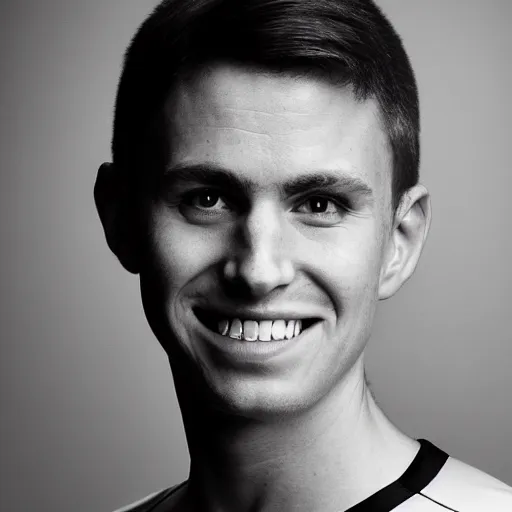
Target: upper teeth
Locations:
point(265, 330)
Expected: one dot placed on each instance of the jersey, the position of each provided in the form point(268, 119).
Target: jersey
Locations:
point(433, 482)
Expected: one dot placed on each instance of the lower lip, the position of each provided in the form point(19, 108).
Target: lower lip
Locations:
point(254, 351)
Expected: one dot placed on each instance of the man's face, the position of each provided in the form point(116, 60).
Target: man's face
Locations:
point(270, 242)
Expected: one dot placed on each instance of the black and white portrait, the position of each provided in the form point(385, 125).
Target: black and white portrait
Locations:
point(256, 256)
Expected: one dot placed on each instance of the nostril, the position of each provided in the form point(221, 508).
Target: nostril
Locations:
point(237, 288)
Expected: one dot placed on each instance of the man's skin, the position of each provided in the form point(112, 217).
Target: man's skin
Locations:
point(297, 428)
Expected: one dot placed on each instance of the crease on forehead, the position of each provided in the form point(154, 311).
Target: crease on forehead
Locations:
point(234, 87)
point(227, 98)
point(292, 93)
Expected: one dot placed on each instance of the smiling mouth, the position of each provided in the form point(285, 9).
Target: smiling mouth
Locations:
point(247, 329)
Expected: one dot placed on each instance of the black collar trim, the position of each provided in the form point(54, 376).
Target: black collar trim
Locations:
point(423, 469)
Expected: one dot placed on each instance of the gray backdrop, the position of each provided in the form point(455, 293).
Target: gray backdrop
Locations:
point(89, 418)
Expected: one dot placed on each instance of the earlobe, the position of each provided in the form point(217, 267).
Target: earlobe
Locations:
point(407, 239)
point(117, 216)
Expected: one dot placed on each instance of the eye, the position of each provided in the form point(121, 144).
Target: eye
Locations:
point(205, 206)
point(205, 199)
point(321, 211)
point(318, 204)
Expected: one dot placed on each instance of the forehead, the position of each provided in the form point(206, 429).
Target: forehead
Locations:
point(269, 127)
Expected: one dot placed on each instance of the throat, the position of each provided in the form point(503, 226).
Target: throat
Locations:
point(329, 459)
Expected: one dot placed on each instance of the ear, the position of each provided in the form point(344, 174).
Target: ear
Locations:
point(118, 214)
point(406, 240)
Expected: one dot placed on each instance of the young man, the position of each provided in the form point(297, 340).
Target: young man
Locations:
point(264, 187)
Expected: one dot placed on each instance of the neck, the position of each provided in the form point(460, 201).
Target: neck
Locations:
point(329, 457)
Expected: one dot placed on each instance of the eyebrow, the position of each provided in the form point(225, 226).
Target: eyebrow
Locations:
point(214, 175)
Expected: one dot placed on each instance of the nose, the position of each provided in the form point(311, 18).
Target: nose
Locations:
point(261, 261)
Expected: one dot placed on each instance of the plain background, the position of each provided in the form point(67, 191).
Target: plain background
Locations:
point(89, 419)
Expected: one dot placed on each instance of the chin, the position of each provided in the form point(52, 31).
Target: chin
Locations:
point(260, 399)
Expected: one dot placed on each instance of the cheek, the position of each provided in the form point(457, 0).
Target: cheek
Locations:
point(179, 252)
point(355, 296)
point(350, 263)
point(177, 264)
point(361, 278)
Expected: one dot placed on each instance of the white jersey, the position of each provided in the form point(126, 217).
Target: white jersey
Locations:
point(433, 482)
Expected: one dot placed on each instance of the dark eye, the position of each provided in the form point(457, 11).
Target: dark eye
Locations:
point(322, 211)
point(205, 199)
point(318, 204)
point(205, 206)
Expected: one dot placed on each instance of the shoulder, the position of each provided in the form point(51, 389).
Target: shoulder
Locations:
point(464, 488)
point(150, 502)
